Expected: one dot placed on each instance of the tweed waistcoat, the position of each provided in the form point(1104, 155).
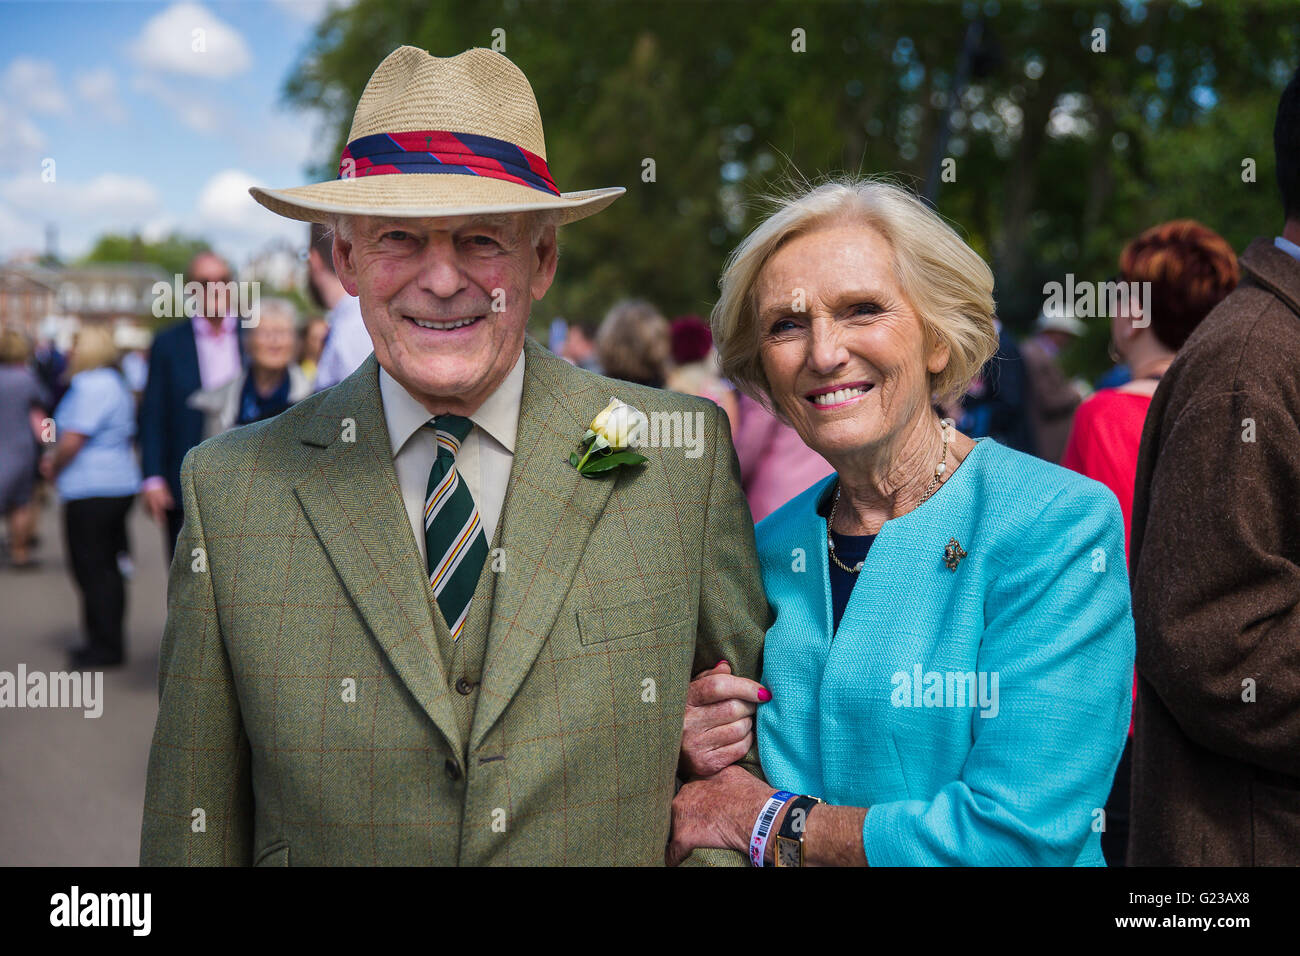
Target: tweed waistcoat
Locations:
point(463, 660)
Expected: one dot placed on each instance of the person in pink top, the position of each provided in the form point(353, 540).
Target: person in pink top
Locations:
point(775, 464)
point(1190, 268)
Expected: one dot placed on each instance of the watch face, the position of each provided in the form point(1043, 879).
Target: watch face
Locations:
point(787, 851)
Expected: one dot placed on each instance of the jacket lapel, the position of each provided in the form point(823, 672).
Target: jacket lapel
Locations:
point(547, 518)
point(355, 507)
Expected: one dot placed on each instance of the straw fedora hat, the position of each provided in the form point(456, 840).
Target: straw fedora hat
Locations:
point(441, 136)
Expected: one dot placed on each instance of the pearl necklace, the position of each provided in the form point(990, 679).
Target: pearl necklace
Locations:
point(939, 469)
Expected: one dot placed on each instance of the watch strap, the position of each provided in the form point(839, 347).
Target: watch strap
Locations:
point(801, 805)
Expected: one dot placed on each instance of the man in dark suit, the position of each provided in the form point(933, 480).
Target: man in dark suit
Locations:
point(1215, 561)
point(199, 352)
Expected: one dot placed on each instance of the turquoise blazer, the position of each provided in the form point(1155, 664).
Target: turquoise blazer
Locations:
point(978, 712)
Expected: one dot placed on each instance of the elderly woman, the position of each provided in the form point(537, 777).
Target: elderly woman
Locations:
point(271, 383)
point(948, 669)
point(93, 466)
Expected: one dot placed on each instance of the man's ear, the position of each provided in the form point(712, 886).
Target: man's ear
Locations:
point(546, 255)
point(343, 265)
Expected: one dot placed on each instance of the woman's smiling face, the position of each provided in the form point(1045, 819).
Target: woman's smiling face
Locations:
point(851, 368)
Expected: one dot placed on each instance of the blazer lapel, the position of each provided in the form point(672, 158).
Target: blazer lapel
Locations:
point(547, 518)
point(353, 503)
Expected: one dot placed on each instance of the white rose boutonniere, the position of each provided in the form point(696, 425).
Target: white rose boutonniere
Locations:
point(610, 439)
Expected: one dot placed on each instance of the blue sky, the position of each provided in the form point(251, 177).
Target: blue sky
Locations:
point(146, 132)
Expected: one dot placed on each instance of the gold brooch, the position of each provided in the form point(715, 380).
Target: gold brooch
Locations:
point(953, 554)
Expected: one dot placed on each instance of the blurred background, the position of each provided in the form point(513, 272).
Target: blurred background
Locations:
point(1049, 133)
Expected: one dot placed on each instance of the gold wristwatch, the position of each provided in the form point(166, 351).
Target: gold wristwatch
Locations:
point(789, 841)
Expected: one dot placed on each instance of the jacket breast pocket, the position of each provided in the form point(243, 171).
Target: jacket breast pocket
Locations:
point(597, 625)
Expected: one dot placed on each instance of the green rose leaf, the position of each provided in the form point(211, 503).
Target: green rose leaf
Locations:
point(573, 459)
point(606, 462)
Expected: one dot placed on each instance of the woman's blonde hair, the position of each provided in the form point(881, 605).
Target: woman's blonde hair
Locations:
point(943, 278)
point(93, 348)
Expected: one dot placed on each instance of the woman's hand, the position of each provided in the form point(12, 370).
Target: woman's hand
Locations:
point(718, 811)
point(719, 726)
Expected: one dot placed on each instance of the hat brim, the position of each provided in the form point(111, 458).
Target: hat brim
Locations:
point(423, 195)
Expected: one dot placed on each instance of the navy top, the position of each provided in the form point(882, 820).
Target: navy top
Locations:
point(849, 548)
point(253, 406)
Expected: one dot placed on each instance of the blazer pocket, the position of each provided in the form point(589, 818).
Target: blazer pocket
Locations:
point(598, 625)
point(277, 854)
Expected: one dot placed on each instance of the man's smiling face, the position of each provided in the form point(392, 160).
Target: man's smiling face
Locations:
point(446, 300)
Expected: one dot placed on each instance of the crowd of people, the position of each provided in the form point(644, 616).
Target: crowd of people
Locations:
point(111, 420)
point(896, 386)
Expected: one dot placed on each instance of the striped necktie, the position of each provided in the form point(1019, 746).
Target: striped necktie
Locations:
point(455, 545)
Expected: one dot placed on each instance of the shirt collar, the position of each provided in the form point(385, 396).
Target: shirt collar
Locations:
point(203, 327)
point(1287, 246)
point(498, 415)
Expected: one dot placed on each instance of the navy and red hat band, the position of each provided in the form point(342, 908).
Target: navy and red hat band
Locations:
point(439, 151)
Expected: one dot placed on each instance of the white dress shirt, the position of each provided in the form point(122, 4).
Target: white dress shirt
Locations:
point(485, 455)
point(346, 346)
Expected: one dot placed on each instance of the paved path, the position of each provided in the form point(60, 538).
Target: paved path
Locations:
point(71, 787)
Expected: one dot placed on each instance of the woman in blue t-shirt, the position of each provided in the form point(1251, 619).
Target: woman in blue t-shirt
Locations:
point(95, 471)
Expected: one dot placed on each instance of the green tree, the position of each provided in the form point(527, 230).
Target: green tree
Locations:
point(1062, 152)
point(173, 253)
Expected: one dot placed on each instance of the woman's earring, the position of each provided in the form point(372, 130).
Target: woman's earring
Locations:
point(1114, 352)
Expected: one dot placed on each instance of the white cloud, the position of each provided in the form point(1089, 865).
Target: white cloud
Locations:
point(19, 232)
point(21, 141)
point(233, 221)
point(294, 138)
point(33, 85)
point(99, 89)
point(158, 229)
point(199, 114)
point(108, 195)
point(80, 211)
point(188, 38)
point(224, 203)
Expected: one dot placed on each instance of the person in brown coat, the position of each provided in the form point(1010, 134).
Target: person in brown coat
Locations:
point(1215, 562)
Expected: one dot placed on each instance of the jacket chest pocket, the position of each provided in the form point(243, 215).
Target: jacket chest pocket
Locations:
point(632, 618)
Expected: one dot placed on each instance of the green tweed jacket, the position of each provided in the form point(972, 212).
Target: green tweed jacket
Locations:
point(305, 716)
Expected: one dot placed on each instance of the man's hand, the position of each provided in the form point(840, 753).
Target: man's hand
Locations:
point(158, 501)
point(718, 811)
point(719, 726)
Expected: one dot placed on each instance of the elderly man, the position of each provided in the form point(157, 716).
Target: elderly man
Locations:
point(407, 630)
point(201, 352)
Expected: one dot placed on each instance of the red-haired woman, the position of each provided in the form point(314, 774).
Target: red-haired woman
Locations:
point(1190, 268)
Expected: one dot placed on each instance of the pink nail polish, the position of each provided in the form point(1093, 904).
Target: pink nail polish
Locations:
point(764, 695)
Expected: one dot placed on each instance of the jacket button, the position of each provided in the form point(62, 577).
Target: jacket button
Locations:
point(464, 686)
point(453, 769)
